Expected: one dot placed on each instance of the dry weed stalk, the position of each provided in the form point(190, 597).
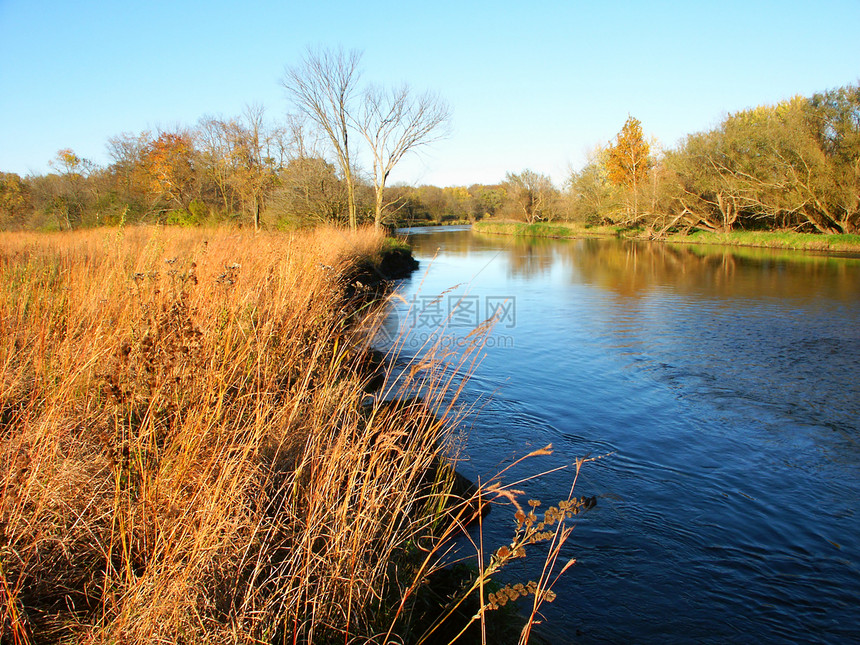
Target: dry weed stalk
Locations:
point(530, 530)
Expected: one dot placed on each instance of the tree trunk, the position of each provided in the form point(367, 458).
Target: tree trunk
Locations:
point(728, 212)
point(377, 217)
point(821, 224)
point(350, 200)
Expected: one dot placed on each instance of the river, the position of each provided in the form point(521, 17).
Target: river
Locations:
point(723, 386)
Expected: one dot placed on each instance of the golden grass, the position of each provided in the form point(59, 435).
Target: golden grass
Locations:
point(187, 450)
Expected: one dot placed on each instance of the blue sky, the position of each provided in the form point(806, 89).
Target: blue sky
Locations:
point(531, 85)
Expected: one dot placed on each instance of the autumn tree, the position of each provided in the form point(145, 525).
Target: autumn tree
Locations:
point(212, 136)
point(169, 164)
point(395, 122)
point(131, 182)
point(458, 202)
point(408, 204)
point(253, 155)
point(14, 200)
point(628, 162)
point(323, 89)
point(68, 194)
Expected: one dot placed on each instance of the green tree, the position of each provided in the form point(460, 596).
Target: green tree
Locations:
point(433, 202)
point(700, 189)
point(833, 122)
point(592, 198)
point(795, 164)
point(486, 200)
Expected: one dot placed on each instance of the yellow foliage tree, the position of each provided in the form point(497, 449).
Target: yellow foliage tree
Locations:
point(169, 164)
point(629, 160)
point(67, 161)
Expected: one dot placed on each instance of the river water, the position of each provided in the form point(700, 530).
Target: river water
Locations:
point(723, 386)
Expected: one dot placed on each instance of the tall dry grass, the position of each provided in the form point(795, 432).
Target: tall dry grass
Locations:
point(185, 454)
point(188, 453)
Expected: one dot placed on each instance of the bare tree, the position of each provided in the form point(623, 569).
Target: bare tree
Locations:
point(322, 88)
point(394, 122)
point(211, 137)
point(309, 192)
point(532, 193)
point(254, 164)
point(242, 156)
point(302, 140)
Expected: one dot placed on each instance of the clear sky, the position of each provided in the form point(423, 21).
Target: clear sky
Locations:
point(531, 85)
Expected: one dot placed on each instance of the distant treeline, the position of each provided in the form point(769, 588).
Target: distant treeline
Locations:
point(244, 169)
point(794, 165)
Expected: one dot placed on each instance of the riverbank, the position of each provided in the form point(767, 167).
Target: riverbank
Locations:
point(188, 451)
point(546, 229)
point(433, 222)
point(788, 240)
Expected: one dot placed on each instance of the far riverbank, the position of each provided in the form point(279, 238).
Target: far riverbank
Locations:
point(764, 239)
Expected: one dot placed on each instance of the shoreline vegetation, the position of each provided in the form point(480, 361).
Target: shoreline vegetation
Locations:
point(789, 169)
point(787, 240)
point(198, 443)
